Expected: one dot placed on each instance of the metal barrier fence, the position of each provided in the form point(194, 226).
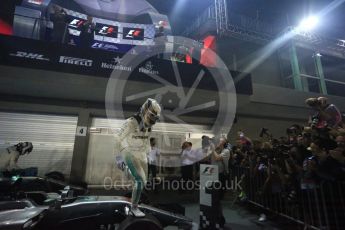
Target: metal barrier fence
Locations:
point(321, 206)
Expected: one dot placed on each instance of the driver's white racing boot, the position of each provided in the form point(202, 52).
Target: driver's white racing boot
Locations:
point(136, 212)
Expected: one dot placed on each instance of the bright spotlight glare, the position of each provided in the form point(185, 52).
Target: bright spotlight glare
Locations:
point(309, 23)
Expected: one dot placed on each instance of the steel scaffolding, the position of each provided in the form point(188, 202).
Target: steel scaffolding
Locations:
point(249, 29)
point(333, 47)
point(221, 16)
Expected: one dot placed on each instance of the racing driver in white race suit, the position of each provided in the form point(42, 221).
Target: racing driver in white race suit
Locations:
point(133, 146)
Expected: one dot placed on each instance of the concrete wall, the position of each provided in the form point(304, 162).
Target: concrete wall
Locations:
point(275, 108)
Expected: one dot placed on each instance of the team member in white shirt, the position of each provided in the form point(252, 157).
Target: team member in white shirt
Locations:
point(188, 159)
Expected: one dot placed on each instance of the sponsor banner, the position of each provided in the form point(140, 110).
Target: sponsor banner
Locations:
point(120, 48)
point(22, 54)
point(133, 34)
point(115, 64)
point(105, 46)
point(149, 68)
point(97, 61)
point(75, 61)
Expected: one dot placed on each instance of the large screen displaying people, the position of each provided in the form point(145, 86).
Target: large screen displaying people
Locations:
point(111, 25)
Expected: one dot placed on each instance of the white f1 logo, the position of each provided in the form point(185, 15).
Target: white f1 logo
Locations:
point(76, 23)
point(133, 33)
point(130, 34)
point(104, 30)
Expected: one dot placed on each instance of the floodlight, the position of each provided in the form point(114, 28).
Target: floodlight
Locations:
point(309, 23)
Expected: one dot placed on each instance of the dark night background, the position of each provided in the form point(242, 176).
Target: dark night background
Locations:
point(278, 11)
point(284, 12)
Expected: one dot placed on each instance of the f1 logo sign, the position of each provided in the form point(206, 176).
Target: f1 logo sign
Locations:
point(208, 171)
point(133, 33)
point(76, 23)
point(106, 30)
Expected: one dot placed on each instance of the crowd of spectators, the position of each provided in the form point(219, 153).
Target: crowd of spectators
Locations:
point(295, 167)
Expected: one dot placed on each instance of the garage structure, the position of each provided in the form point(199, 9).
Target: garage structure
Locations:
point(169, 138)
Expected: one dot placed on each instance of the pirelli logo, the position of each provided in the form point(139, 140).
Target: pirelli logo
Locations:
point(75, 61)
